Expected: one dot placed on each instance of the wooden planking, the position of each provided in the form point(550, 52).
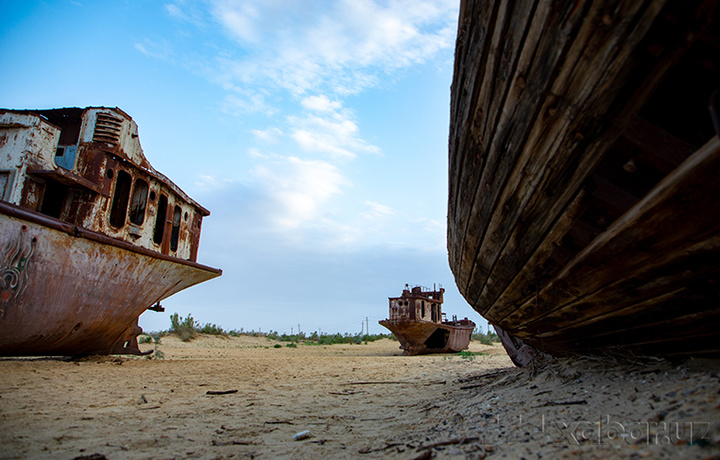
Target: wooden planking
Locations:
point(669, 238)
point(534, 62)
point(511, 222)
point(687, 335)
point(472, 159)
point(553, 161)
point(664, 273)
point(531, 277)
point(667, 312)
point(470, 66)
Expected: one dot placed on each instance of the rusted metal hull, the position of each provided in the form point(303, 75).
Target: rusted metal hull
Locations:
point(424, 337)
point(584, 209)
point(65, 290)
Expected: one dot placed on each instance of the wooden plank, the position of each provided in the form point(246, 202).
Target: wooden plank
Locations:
point(537, 60)
point(529, 279)
point(668, 311)
point(476, 23)
point(553, 163)
point(522, 193)
point(676, 226)
point(666, 150)
point(683, 337)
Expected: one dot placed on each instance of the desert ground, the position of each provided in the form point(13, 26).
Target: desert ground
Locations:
point(238, 397)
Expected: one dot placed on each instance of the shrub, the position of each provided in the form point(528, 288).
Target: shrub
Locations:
point(469, 355)
point(212, 329)
point(186, 328)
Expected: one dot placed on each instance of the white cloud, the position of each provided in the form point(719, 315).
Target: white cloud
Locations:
point(377, 209)
point(206, 182)
point(320, 103)
point(270, 135)
point(298, 188)
point(333, 131)
point(155, 49)
point(340, 46)
point(245, 103)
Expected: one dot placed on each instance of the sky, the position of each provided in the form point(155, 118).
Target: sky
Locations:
point(315, 132)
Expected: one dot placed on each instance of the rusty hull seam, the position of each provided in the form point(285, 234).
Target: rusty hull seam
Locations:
point(80, 232)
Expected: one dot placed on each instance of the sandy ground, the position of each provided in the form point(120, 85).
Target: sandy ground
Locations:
point(356, 401)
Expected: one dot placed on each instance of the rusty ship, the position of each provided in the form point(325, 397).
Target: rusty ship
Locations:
point(91, 235)
point(417, 321)
point(584, 200)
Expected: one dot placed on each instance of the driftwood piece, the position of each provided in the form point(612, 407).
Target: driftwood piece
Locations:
point(562, 403)
point(220, 392)
point(377, 383)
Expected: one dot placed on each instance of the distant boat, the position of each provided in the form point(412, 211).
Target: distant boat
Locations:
point(417, 321)
point(91, 235)
point(584, 174)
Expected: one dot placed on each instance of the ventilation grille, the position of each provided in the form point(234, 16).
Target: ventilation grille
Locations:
point(107, 129)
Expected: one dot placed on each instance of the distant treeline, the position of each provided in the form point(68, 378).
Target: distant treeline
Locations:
point(486, 338)
point(188, 328)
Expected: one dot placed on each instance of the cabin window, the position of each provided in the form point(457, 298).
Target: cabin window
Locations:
point(54, 199)
point(138, 202)
point(160, 220)
point(120, 199)
point(175, 236)
point(422, 309)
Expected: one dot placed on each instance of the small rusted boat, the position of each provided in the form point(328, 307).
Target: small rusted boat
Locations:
point(584, 200)
point(91, 235)
point(417, 320)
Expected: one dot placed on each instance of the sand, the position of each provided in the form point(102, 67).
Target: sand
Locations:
point(353, 401)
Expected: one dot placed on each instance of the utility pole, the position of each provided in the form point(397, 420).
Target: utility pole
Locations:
point(298, 328)
point(367, 326)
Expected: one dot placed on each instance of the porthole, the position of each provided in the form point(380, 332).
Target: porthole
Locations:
point(109, 173)
point(186, 216)
point(152, 195)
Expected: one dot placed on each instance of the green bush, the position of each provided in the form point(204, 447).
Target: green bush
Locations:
point(469, 355)
point(212, 329)
point(144, 339)
point(186, 328)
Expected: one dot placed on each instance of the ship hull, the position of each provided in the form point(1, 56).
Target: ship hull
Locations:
point(583, 212)
point(69, 291)
point(425, 337)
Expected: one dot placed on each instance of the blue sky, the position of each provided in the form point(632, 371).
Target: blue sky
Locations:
point(315, 133)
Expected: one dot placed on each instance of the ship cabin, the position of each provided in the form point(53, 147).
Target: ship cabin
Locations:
point(85, 166)
point(417, 304)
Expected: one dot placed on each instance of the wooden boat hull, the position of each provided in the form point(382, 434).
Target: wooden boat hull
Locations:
point(584, 205)
point(424, 337)
point(67, 291)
